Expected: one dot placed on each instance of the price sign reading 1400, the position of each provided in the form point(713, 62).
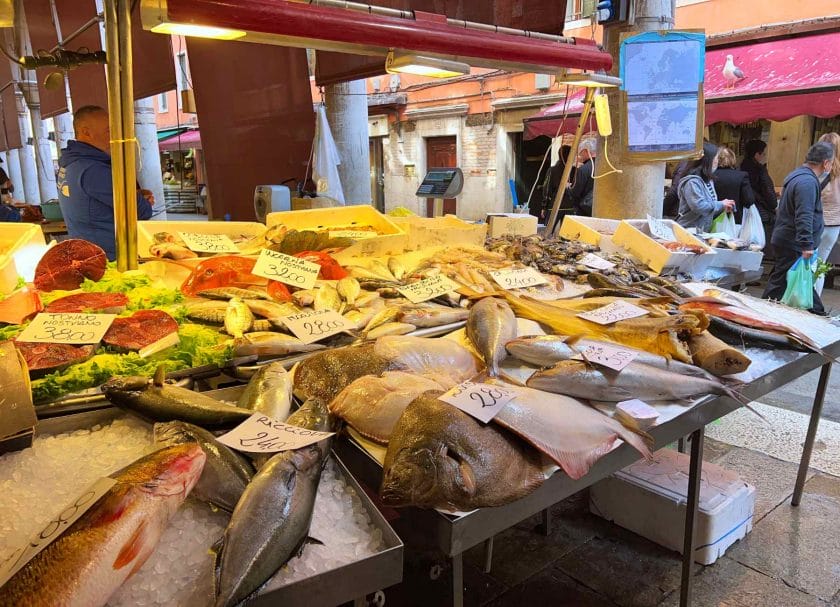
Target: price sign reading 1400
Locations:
point(610, 356)
point(292, 271)
point(518, 278)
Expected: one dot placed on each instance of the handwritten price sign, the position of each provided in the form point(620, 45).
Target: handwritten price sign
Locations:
point(67, 328)
point(310, 327)
point(660, 229)
point(597, 262)
point(427, 289)
point(208, 243)
point(518, 278)
point(613, 312)
point(263, 434)
point(354, 234)
point(482, 401)
point(607, 355)
point(292, 271)
point(54, 528)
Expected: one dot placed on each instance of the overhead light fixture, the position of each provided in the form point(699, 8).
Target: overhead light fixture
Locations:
point(404, 63)
point(589, 80)
point(198, 31)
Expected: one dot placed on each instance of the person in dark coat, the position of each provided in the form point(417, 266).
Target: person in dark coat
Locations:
point(671, 202)
point(764, 191)
point(733, 184)
point(582, 187)
point(799, 224)
point(552, 184)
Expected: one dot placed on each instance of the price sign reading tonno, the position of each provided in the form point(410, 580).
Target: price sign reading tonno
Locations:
point(67, 328)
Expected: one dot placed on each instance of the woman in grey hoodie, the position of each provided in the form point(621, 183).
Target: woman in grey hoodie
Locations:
point(699, 203)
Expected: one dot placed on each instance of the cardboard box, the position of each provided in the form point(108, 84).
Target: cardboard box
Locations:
point(635, 237)
point(17, 414)
point(146, 230)
point(428, 232)
point(16, 238)
point(515, 224)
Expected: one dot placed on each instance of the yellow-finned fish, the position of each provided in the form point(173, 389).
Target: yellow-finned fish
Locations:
point(238, 317)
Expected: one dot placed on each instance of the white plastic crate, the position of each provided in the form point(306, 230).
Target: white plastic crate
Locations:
point(649, 498)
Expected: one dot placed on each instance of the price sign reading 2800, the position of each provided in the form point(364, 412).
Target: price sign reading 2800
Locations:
point(67, 328)
point(482, 401)
point(310, 327)
point(292, 271)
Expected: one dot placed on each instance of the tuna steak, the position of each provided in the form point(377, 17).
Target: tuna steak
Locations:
point(67, 264)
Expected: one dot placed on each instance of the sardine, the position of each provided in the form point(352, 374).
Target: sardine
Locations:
point(269, 343)
point(269, 391)
point(160, 402)
point(440, 457)
point(391, 328)
point(225, 475)
point(228, 293)
point(88, 562)
point(433, 316)
point(491, 324)
point(349, 289)
point(238, 317)
point(327, 298)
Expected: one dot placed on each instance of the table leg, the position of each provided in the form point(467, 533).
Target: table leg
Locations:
point(488, 555)
point(808, 447)
point(458, 580)
point(695, 470)
point(681, 444)
point(545, 525)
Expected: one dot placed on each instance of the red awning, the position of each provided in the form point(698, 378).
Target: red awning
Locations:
point(783, 79)
point(184, 141)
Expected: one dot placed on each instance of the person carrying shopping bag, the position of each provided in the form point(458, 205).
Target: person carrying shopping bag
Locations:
point(830, 197)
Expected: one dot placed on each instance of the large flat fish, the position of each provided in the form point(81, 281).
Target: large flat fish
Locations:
point(324, 374)
point(269, 391)
point(440, 457)
point(491, 324)
point(112, 540)
point(445, 361)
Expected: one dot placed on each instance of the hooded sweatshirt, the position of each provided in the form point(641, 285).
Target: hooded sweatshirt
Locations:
point(698, 203)
point(86, 195)
point(799, 221)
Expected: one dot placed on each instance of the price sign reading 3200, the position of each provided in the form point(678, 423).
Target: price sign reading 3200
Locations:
point(292, 271)
point(518, 278)
point(67, 328)
point(482, 401)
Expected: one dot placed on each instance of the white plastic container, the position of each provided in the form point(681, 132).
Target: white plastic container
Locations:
point(649, 498)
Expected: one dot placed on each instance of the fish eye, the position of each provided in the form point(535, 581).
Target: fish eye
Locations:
point(208, 272)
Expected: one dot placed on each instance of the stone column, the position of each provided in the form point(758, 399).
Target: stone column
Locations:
point(29, 172)
point(149, 172)
point(43, 155)
point(348, 116)
point(63, 130)
point(13, 170)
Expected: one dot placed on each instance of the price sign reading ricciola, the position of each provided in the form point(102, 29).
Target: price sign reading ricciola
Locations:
point(613, 312)
point(482, 401)
point(610, 356)
point(310, 327)
point(429, 288)
point(263, 434)
point(292, 271)
point(518, 278)
point(75, 328)
point(208, 243)
point(354, 234)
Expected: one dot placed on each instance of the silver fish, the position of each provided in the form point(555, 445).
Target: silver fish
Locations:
point(433, 316)
point(271, 309)
point(228, 293)
point(327, 298)
point(385, 315)
point(269, 391)
point(391, 328)
point(396, 267)
point(269, 343)
point(491, 324)
point(349, 289)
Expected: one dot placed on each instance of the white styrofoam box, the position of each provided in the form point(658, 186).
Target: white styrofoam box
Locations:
point(634, 235)
point(21, 246)
point(146, 230)
point(649, 498)
point(428, 232)
point(592, 230)
point(515, 224)
point(746, 261)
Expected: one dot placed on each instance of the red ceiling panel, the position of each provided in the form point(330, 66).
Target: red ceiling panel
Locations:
point(42, 36)
point(10, 138)
point(87, 83)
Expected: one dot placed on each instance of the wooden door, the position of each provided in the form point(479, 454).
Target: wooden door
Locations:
point(441, 153)
point(377, 174)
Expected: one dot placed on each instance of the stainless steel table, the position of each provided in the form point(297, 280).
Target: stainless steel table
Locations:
point(453, 535)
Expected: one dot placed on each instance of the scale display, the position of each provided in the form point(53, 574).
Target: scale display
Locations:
point(441, 183)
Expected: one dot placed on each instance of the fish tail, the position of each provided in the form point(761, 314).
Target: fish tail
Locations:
point(640, 440)
point(745, 402)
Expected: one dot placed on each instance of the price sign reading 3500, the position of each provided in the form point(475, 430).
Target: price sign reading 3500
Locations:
point(427, 289)
point(613, 312)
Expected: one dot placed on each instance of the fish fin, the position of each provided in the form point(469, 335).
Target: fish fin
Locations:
point(468, 477)
point(571, 340)
point(641, 441)
point(216, 550)
point(132, 548)
point(745, 402)
point(160, 376)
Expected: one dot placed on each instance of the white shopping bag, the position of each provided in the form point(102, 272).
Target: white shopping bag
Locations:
point(752, 229)
point(326, 159)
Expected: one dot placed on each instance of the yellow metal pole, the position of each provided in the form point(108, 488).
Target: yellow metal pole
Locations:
point(121, 114)
point(550, 228)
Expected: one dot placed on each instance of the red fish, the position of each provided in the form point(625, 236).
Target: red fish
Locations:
point(20, 306)
point(278, 291)
point(222, 271)
point(330, 268)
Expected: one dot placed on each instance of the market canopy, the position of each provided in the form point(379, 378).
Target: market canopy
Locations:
point(181, 141)
point(783, 79)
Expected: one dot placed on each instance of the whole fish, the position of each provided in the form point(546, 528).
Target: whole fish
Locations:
point(225, 475)
point(396, 267)
point(372, 405)
point(112, 540)
point(324, 374)
point(433, 316)
point(391, 328)
point(367, 298)
point(636, 380)
point(271, 522)
point(160, 402)
point(304, 298)
point(359, 317)
point(238, 317)
point(221, 271)
point(349, 289)
point(384, 316)
point(269, 391)
point(170, 250)
point(226, 293)
point(491, 324)
point(271, 309)
point(269, 343)
point(572, 434)
point(440, 457)
point(327, 298)
point(546, 350)
point(739, 335)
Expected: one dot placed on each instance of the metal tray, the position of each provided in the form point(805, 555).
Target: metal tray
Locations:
point(333, 587)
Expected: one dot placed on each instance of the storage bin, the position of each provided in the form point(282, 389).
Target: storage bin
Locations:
point(146, 230)
point(649, 498)
point(635, 237)
point(23, 239)
point(448, 231)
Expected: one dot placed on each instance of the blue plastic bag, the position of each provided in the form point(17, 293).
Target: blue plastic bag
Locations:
point(800, 285)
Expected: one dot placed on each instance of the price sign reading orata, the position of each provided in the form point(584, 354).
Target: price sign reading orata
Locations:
point(54, 528)
point(660, 229)
point(613, 312)
point(263, 434)
point(482, 401)
point(292, 271)
point(310, 327)
point(518, 278)
point(597, 262)
point(208, 243)
point(76, 328)
point(354, 234)
point(429, 288)
point(614, 357)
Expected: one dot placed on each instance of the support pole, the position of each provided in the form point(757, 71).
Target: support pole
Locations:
point(695, 474)
point(550, 228)
point(13, 170)
point(810, 437)
point(29, 172)
point(348, 116)
point(149, 174)
point(121, 116)
point(43, 154)
point(63, 130)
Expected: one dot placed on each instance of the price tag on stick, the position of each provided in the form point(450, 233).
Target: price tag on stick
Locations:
point(482, 401)
point(292, 271)
point(424, 290)
point(610, 356)
point(263, 434)
point(518, 278)
point(67, 328)
point(613, 312)
point(208, 243)
point(596, 261)
point(310, 327)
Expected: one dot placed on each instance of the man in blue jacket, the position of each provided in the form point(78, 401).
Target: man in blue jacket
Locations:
point(799, 220)
point(85, 186)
